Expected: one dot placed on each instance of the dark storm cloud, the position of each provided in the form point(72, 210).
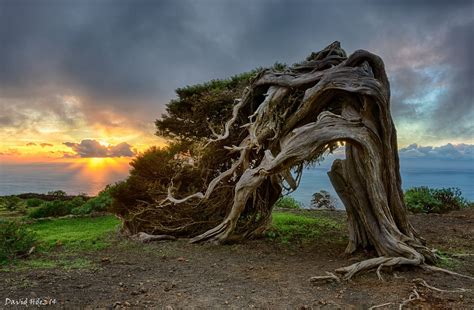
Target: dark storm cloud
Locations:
point(455, 111)
point(92, 148)
point(129, 56)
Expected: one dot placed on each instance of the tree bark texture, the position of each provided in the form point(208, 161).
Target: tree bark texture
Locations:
point(299, 113)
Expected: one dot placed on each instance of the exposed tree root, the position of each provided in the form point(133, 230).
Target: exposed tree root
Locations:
point(434, 268)
point(381, 305)
point(329, 277)
point(145, 238)
point(376, 263)
point(422, 282)
point(462, 254)
point(412, 297)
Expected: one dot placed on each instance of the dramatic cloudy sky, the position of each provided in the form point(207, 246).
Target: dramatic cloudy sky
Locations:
point(88, 78)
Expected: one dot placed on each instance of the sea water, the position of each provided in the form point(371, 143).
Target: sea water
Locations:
point(44, 177)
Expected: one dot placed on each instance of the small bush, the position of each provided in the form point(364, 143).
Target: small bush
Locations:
point(323, 200)
point(13, 203)
point(15, 240)
point(433, 200)
point(52, 209)
point(100, 203)
point(287, 202)
point(34, 202)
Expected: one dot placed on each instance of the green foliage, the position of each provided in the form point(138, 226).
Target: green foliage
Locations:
point(445, 260)
point(100, 203)
point(287, 202)
point(34, 202)
point(198, 107)
point(150, 170)
point(432, 200)
point(15, 240)
point(78, 205)
point(189, 121)
point(12, 203)
point(53, 209)
point(288, 227)
point(323, 200)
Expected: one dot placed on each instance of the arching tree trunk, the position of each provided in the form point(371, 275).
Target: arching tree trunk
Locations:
point(306, 110)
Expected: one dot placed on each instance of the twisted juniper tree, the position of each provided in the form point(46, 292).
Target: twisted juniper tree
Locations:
point(232, 172)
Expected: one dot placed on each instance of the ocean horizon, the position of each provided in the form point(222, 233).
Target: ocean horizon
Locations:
point(74, 179)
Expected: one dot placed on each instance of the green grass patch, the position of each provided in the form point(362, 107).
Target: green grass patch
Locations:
point(65, 243)
point(75, 234)
point(288, 227)
point(446, 260)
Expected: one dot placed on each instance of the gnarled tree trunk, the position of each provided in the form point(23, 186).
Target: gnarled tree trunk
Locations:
point(306, 110)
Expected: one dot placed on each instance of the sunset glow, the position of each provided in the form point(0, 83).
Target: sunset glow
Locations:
point(90, 101)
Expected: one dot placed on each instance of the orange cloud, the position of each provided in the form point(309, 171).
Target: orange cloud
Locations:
point(92, 148)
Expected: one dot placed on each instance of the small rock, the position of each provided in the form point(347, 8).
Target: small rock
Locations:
point(121, 283)
point(134, 293)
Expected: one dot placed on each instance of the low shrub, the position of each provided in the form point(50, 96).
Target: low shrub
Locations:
point(287, 202)
point(15, 240)
point(34, 202)
point(100, 203)
point(52, 209)
point(433, 200)
point(12, 203)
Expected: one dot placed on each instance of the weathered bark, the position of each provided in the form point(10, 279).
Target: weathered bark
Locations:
point(307, 110)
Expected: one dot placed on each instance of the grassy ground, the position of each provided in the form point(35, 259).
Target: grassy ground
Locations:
point(288, 227)
point(75, 234)
point(62, 241)
point(67, 243)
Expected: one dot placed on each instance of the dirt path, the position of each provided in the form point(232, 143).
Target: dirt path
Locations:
point(255, 274)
